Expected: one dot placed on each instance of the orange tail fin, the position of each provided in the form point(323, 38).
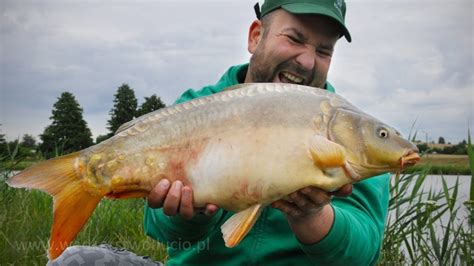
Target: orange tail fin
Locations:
point(74, 198)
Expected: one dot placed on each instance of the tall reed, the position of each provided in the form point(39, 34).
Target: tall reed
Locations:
point(425, 226)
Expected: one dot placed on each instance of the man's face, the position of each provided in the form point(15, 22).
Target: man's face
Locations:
point(293, 49)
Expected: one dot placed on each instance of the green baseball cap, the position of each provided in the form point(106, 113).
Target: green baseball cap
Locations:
point(335, 9)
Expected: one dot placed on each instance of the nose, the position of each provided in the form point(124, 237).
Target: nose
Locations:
point(307, 59)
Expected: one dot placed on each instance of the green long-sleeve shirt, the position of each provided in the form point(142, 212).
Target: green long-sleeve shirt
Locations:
point(354, 239)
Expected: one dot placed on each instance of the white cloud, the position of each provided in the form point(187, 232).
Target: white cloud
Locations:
point(407, 59)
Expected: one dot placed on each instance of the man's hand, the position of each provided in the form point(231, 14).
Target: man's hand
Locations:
point(308, 212)
point(176, 199)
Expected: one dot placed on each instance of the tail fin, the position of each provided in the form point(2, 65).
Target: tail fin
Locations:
point(50, 176)
point(74, 198)
point(72, 208)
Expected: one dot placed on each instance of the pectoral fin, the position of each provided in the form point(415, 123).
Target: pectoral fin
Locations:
point(237, 226)
point(325, 153)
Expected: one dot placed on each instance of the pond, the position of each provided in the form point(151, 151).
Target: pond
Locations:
point(435, 183)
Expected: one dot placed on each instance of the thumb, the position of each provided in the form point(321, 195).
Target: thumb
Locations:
point(343, 191)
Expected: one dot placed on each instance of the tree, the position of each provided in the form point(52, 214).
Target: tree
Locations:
point(441, 140)
point(151, 104)
point(422, 147)
point(68, 131)
point(28, 141)
point(3, 145)
point(124, 110)
point(101, 138)
point(2, 138)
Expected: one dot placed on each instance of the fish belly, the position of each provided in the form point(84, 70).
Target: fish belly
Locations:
point(242, 168)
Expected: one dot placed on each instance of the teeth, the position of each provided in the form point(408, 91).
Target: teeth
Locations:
point(292, 77)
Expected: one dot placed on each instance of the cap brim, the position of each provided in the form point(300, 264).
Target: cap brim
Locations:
point(308, 8)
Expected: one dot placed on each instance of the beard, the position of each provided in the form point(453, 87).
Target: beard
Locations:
point(263, 69)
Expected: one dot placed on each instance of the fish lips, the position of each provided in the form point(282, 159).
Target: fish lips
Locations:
point(410, 158)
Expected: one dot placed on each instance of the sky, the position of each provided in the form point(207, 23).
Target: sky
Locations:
point(409, 63)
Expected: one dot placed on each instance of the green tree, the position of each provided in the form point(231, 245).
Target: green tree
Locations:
point(151, 104)
point(422, 147)
point(101, 138)
point(68, 131)
point(2, 138)
point(124, 110)
point(28, 141)
point(441, 140)
point(3, 145)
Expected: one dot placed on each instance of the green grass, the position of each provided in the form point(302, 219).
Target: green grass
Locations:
point(442, 164)
point(415, 232)
point(16, 166)
point(439, 169)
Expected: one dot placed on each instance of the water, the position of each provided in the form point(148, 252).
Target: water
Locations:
point(434, 182)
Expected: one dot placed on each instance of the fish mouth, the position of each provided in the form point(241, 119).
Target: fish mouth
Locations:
point(411, 157)
point(287, 77)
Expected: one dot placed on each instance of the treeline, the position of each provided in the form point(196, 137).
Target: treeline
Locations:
point(69, 132)
point(458, 149)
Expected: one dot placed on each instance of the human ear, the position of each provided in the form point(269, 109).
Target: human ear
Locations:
point(255, 34)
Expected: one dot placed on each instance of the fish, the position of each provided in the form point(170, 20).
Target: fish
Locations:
point(241, 149)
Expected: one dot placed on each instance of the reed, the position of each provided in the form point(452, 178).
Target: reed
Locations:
point(425, 225)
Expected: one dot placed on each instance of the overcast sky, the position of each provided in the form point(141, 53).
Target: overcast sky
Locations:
point(409, 60)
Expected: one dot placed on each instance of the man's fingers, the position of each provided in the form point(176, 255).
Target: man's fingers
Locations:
point(172, 201)
point(344, 191)
point(186, 205)
point(318, 196)
point(158, 194)
point(211, 209)
point(300, 200)
point(288, 208)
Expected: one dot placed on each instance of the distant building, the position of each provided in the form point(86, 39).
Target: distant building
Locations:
point(433, 145)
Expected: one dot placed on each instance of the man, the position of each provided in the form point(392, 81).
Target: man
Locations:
point(293, 42)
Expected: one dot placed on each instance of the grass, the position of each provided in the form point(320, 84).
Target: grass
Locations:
point(16, 166)
point(424, 225)
point(442, 164)
point(444, 159)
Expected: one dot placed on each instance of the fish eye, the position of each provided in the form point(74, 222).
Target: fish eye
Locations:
point(382, 133)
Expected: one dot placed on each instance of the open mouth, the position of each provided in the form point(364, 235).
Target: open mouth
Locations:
point(409, 159)
point(287, 77)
